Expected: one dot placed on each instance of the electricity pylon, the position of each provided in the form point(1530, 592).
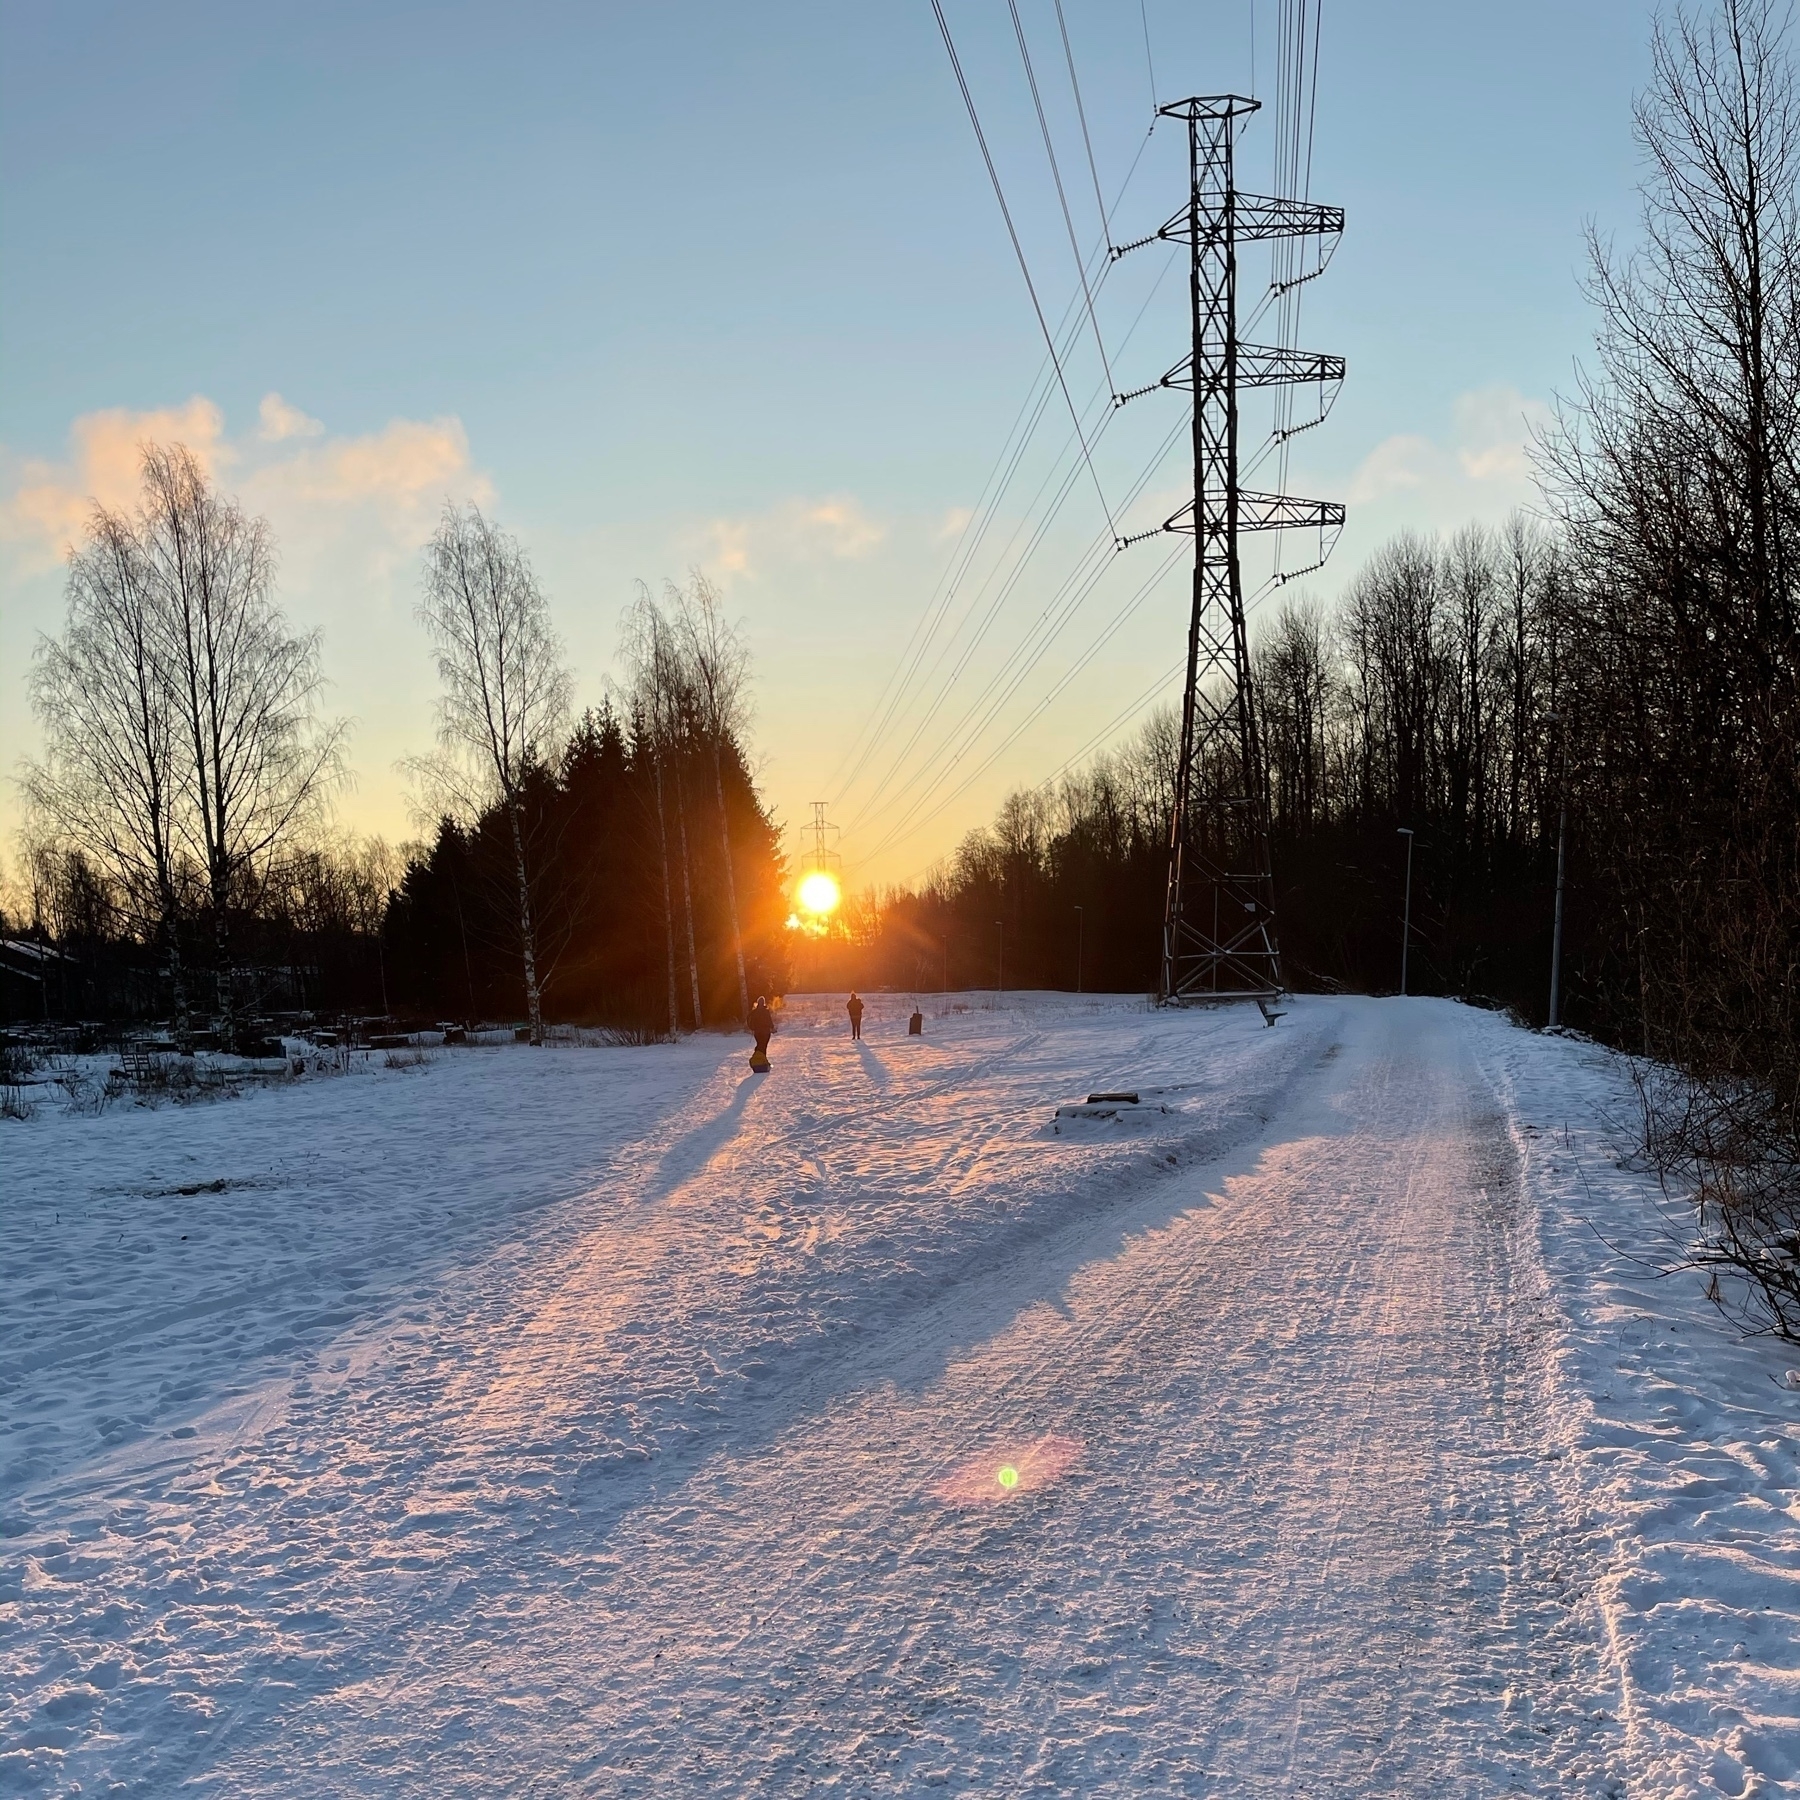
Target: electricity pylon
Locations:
point(1219, 938)
point(822, 859)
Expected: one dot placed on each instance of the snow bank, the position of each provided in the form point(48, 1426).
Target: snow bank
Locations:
point(1673, 1439)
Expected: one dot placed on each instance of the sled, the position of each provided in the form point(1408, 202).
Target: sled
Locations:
point(759, 1063)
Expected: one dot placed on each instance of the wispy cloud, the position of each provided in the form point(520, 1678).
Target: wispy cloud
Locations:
point(1482, 470)
point(349, 513)
point(795, 531)
point(279, 421)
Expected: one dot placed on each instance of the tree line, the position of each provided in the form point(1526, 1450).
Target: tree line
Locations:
point(180, 862)
point(635, 878)
point(1419, 700)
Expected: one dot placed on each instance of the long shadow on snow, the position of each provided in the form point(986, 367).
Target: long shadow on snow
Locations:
point(687, 1156)
point(345, 1292)
point(975, 1295)
point(972, 1294)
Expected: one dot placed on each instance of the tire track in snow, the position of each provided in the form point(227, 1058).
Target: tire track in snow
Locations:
point(871, 1611)
point(805, 1597)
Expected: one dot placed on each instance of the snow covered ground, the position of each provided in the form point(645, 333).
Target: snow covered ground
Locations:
point(609, 1421)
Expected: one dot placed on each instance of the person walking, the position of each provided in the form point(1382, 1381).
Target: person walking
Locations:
point(762, 1025)
point(854, 1007)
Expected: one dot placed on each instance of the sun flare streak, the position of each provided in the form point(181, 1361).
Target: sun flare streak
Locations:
point(1003, 1474)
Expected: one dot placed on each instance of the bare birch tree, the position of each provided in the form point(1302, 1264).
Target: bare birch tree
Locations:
point(505, 691)
point(256, 763)
point(644, 733)
point(108, 782)
point(180, 712)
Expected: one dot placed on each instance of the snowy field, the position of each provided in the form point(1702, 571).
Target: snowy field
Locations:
point(612, 1422)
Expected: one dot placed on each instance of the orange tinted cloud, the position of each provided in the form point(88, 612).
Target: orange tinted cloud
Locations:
point(287, 468)
point(49, 506)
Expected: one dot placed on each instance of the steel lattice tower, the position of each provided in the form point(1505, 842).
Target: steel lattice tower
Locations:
point(1219, 937)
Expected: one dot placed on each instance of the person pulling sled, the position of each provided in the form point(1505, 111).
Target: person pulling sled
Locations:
point(854, 1007)
point(762, 1024)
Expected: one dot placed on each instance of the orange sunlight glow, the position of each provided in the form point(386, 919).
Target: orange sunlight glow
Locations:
point(819, 893)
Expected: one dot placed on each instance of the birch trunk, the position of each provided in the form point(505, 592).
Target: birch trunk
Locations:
point(225, 987)
point(687, 897)
point(662, 832)
point(184, 1029)
point(737, 936)
point(534, 1011)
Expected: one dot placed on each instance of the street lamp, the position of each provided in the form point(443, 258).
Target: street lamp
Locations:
point(1080, 926)
point(1406, 916)
point(1562, 830)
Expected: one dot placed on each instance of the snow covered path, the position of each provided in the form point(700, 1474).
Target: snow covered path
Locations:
point(690, 1480)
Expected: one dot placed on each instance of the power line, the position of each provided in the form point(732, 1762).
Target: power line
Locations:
point(1019, 252)
point(982, 709)
point(981, 516)
point(1149, 63)
point(1088, 142)
point(987, 507)
point(1062, 199)
point(1131, 710)
point(990, 614)
point(897, 834)
point(990, 611)
point(907, 824)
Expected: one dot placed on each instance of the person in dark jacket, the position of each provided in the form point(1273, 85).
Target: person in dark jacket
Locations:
point(762, 1025)
point(854, 1007)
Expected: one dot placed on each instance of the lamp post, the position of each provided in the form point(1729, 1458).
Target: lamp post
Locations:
point(1562, 832)
point(1406, 915)
point(1080, 926)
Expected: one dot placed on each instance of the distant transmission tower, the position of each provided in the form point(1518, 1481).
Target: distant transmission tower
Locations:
point(821, 858)
point(1219, 938)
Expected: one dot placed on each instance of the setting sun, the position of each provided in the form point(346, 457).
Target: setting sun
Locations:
point(819, 893)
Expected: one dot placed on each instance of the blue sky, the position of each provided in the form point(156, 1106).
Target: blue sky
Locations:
point(726, 286)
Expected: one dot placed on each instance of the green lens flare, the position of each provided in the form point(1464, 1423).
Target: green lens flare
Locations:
point(1009, 1477)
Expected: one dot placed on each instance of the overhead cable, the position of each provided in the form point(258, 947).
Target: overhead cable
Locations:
point(909, 823)
point(987, 504)
point(1062, 197)
point(943, 688)
point(943, 593)
point(1149, 63)
point(1035, 645)
point(983, 711)
point(1081, 114)
point(1019, 252)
